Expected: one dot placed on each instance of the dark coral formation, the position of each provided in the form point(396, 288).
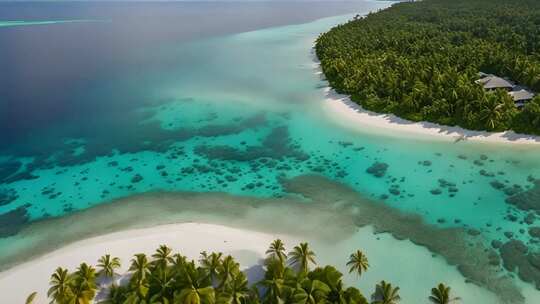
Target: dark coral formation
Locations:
point(378, 169)
point(496, 244)
point(512, 190)
point(534, 232)
point(508, 190)
point(527, 200)
point(486, 173)
point(436, 191)
point(530, 218)
point(13, 221)
point(478, 163)
point(517, 257)
point(445, 184)
point(7, 196)
point(425, 163)
point(9, 169)
point(497, 185)
point(277, 145)
point(315, 199)
point(136, 178)
point(463, 248)
point(147, 137)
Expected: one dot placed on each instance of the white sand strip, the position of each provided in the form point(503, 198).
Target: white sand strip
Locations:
point(188, 238)
point(397, 261)
point(346, 113)
point(342, 110)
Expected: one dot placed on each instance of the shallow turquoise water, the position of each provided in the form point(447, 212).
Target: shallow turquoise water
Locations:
point(238, 113)
point(261, 82)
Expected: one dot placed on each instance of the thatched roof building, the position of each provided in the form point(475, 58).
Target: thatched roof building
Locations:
point(492, 82)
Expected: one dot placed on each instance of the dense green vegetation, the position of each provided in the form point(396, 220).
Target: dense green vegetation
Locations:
point(167, 278)
point(419, 60)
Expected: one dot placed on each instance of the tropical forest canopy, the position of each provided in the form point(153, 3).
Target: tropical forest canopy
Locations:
point(166, 278)
point(419, 60)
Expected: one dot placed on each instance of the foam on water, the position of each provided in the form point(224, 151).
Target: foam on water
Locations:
point(27, 23)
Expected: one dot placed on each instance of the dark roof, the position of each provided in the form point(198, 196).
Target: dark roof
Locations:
point(494, 82)
point(521, 95)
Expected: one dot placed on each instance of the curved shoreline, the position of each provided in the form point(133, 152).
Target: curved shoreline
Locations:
point(352, 222)
point(248, 247)
point(190, 239)
point(343, 111)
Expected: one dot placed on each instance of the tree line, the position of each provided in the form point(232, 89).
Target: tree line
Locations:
point(166, 278)
point(419, 60)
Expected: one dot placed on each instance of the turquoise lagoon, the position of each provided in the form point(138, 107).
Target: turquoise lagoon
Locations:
point(241, 113)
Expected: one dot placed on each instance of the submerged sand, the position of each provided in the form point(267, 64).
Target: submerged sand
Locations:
point(190, 239)
point(248, 247)
point(326, 213)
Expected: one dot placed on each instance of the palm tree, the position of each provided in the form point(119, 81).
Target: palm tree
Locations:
point(117, 294)
point(139, 280)
point(30, 299)
point(193, 295)
point(195, 288)
point(140, 267)
point(179, 261)
point(107, 266)
point(211, 263)
point(228, 269)
point(84, 287)
point(161, 284)
point(275, 288)
point(310, 292)
point(385, 294)
point(162, 257)
point(277, 251)
point(353, 296)
point(275, 270)
point(330, 276)
point(60, 290)
point(236, 291)
point(301, 256)
point(494, 107)
point(358, 262)
point(137, 292)
point(253, 295)
point(441, 295)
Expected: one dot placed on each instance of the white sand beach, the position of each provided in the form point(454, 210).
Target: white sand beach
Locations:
point(346, 113)
point(190, 239)
point(248, 248)
point(342, 110)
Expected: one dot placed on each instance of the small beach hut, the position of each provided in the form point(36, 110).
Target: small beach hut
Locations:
point(521, 97)
point(492, 82)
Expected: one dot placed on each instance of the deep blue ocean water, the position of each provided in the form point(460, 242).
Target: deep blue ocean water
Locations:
point(57, 74)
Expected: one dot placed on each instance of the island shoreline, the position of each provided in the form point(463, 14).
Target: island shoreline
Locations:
point(189, 238)
point(247, 246)
point(343, 111)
